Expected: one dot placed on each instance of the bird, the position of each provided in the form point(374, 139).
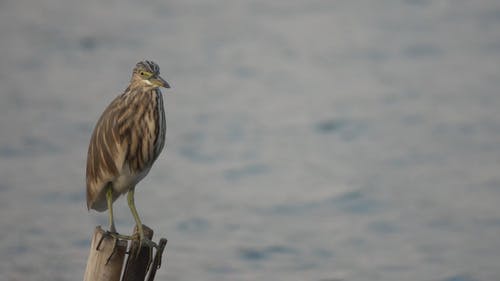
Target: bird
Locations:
point(126, 141)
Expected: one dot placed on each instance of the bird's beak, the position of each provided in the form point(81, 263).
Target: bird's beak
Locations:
point(160, 82)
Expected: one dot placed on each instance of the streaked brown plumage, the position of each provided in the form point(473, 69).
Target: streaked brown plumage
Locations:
point(126, 141)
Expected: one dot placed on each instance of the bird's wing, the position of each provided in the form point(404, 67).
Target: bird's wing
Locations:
point(106, 154)
point(126, 140)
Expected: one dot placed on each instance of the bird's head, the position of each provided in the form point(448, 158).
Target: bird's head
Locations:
point(147, 74)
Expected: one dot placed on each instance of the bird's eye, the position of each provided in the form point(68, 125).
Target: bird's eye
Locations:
point(142, 73)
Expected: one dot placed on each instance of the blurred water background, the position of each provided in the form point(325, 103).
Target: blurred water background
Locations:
point(307, 140)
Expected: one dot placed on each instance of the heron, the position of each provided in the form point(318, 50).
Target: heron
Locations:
point(126, 141)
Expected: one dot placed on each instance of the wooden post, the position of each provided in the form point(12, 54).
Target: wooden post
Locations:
point(106, 257)
point(138, 262)
point(157, 261)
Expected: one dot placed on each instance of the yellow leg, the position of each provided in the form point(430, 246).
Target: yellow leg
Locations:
point(131, 204)
point(109, 200)
point(142, 239)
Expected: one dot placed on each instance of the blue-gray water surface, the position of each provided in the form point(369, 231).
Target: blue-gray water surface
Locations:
point(307, 140)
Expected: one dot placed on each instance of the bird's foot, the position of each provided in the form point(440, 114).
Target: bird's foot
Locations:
point(143, 243)
point(107, 234)
point(116, 237)
point(148, 243)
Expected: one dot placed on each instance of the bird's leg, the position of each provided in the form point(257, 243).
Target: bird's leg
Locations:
point(112, 229)
point(109, 200)
point(131, 204)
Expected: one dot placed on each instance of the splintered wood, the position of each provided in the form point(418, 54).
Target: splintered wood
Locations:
point(107, 254)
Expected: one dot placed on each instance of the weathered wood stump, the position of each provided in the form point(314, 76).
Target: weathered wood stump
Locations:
point(107, 254)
